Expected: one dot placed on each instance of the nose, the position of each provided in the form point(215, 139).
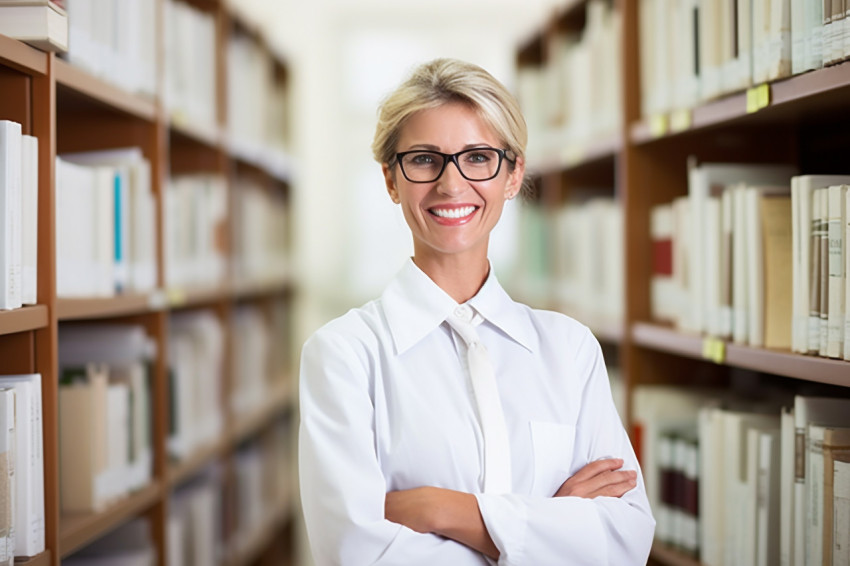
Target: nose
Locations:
point(451, 182)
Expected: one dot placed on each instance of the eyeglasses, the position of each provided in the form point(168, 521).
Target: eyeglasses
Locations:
point(477, 164)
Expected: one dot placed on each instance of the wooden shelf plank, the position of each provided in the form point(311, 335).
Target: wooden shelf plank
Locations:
point(23, 319)
point(248, 290)
point(575, 157)
point(670, 556)
point(210, 136)
point(784, 363)
point(181, 471)
point(84, 83)
point(805, 89)
point(278, 401)
point(22, 57)
point(79, 309)
point(42, 559)
point(78, 530)
point(186, 297)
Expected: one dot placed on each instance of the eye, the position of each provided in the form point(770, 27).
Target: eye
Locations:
point(422, 159)
point(478, 157)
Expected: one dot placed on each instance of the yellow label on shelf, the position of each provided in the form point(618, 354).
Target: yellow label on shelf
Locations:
point(176, 296)
point(680, 120)
point(758, 97)
point(573, 154)
point(658, 125)
point(714, 349)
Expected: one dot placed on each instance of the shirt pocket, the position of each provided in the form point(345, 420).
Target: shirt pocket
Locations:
point(552, 445)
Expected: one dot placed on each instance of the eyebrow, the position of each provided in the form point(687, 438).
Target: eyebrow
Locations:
point(431, 147)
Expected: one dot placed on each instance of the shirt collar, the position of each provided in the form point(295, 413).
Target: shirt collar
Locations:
point(414, 305)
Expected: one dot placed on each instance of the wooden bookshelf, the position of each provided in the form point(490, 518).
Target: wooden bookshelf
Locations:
point(24, 319)
point(42, 559)
point(79, 530)
point(71, 109)
point(800, 120)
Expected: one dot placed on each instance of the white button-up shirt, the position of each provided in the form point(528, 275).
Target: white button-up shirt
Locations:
point(386, 405)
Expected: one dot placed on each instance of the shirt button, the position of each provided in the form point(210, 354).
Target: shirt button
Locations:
point(463, 312)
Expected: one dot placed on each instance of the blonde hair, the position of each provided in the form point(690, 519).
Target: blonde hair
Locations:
point(442, 81)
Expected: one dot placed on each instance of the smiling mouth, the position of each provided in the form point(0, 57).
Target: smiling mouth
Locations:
point(460, 212)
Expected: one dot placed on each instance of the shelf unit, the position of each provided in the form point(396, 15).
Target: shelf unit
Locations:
point(69, 109)
point(803, 122)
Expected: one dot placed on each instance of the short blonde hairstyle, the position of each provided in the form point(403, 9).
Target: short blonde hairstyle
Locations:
point(442, 81)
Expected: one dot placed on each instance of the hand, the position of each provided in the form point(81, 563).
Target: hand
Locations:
point(599, 478)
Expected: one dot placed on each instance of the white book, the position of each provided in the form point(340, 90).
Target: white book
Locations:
point(836, 220)
point(841, 512)
point(43, 24)
point(778, 56)
point(768, 499)
point(825, 411)
point(712, 482)
point(29, 217)
point(705, 180)
point(847, 277)
point(7, 476)
point(740, 266)
point(813, 18)
point(10, 214)
point(802, 191)
point(814, 495)
point(29, 455)
point(786, 489)
point(823, 278)
point(798, 36)
point(118, 439)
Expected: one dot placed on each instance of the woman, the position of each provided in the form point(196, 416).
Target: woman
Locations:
point(417, 444)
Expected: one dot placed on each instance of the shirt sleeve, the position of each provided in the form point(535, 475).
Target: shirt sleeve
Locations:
point(342, 486)
point(573, 530)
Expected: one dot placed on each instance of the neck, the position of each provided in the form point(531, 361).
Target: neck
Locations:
point(460, 276)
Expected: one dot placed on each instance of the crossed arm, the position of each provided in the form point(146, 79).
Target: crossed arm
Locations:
point(455, 514)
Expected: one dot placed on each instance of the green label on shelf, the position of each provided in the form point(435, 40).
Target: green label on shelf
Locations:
point(714, 349)
point(758, 97)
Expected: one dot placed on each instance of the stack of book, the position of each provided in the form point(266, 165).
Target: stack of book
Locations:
point(696, 50)
point(195, 215)
point(105, 224)
point(196, 365)
point(22, 523)
point(41, 23)
point(18, 216)
point(562, 118)
point(115, 41)
point(105, 447)
point(770, 476)
point(260, 234)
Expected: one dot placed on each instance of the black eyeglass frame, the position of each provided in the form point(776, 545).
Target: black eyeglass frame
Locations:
point(452, 157)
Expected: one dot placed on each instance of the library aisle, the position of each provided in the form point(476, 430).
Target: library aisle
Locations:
point(184, 183)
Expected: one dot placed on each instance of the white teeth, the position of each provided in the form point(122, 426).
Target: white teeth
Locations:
point(453, 212)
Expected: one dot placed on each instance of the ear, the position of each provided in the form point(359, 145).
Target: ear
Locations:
point(389, 180)
point(514, 184)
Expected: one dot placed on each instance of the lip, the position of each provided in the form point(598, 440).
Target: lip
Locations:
point(451, 221)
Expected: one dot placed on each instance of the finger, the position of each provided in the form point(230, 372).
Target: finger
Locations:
point(598, 467)
point(596, 483)
point(614, 490)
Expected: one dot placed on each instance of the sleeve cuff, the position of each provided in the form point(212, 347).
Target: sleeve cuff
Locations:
point(506, 520)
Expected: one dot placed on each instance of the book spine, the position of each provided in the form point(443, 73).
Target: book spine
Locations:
point(29, 211)
point(823, 279)
point(835, 238)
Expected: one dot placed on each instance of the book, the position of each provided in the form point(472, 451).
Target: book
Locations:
point(10, 215)
point(836, 442)
point(41, 23)
point(841, 510)
point(825, 411)
point(836, 220)
point(802, 191)
point(775, 215)
point(29, 471)
point(29, 219)
point(7, 476)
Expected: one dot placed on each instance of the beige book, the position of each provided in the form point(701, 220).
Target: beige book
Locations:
point(7, 477)
point(776, 230)
point(836, 441)
point(841, 510)
point(83, 442)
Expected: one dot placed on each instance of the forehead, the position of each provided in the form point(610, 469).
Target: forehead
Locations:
point(449, 127)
